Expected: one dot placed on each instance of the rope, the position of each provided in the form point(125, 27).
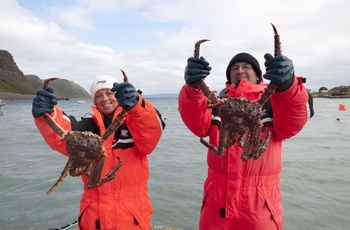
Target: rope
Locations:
point(161, 227)
point(153, 227)
point(66, 226)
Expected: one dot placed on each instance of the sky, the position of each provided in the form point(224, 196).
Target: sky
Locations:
point(151, 40)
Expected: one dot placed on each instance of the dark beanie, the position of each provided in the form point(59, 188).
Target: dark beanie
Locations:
point(244, 57)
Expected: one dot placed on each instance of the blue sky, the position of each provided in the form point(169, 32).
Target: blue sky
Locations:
point(152, 39)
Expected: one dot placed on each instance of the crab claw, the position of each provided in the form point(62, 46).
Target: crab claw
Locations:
point(47, 82)
point(197, 46)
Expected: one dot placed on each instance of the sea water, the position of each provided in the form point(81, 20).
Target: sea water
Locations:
point(315, 177)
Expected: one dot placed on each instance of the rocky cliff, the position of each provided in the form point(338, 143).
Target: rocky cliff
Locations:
point(14, 85)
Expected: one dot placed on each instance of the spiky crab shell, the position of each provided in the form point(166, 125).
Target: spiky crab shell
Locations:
point(84, 146)
point(239, 114)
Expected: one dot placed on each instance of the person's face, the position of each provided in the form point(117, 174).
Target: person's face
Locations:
point(105, 101)
point(243, 71)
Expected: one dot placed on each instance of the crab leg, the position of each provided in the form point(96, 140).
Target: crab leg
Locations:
point(265, 142)
point(201, 84)
point(109, 176)
point(271, 88)
point(246, 147)
point(47, 82)
point(126, 79)
point(209, 146)
point(95, 173)
point(197, 47)
point(114, 125)
point(278, 47)
point(49, 120)
point(256, 143)
point(116, 122)
point(64, 174)
point(213, 101)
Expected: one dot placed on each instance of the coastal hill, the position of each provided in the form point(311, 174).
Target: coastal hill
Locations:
point(14, 85)
point(336, 92)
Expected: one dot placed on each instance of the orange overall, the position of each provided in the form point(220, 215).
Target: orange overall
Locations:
point(245, 195)
point(122, 203)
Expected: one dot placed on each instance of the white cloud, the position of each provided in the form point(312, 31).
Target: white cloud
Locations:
point(151, 40)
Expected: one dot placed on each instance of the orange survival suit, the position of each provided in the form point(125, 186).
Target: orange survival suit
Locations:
point(245, 195)
point(122, 203)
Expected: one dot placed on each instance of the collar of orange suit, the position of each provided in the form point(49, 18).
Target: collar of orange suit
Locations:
point(245, 89)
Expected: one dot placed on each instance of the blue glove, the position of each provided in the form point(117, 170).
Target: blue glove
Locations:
point(126, 94)
point(44, 102)
point(279, 69)
point(196, 69)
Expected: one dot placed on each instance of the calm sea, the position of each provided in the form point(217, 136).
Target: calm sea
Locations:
point(315, 178)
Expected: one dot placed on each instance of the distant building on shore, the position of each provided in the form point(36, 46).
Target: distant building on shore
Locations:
point(342, 91)
point(323, 90)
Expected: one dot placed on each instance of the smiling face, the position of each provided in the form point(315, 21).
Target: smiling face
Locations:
point(243, 71)
point(105, 101)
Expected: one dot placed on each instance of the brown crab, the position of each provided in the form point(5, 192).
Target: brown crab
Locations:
point(240, 117)
point(86, 151)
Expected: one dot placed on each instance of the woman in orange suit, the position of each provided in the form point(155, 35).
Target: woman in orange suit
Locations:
point(122, 203)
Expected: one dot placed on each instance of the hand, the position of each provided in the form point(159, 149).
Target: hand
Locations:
point(196, 69)
point(126, 94)
point(44, 102)
point(279, 69)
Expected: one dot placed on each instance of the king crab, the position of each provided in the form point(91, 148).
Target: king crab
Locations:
point(86, 151)
point(240, 117)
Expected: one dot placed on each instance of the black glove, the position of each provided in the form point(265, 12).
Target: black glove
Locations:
point(44, 102)
point(126, 94)
point(279, 69)
point(196, 69)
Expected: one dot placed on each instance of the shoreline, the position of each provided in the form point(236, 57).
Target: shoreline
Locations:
point(332, 97)
point(16, 96)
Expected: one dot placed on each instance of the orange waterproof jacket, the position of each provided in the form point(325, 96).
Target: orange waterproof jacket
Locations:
point(245, 195)
point(122, 203)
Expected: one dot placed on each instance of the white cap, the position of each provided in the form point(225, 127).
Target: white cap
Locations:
point(101, 82)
